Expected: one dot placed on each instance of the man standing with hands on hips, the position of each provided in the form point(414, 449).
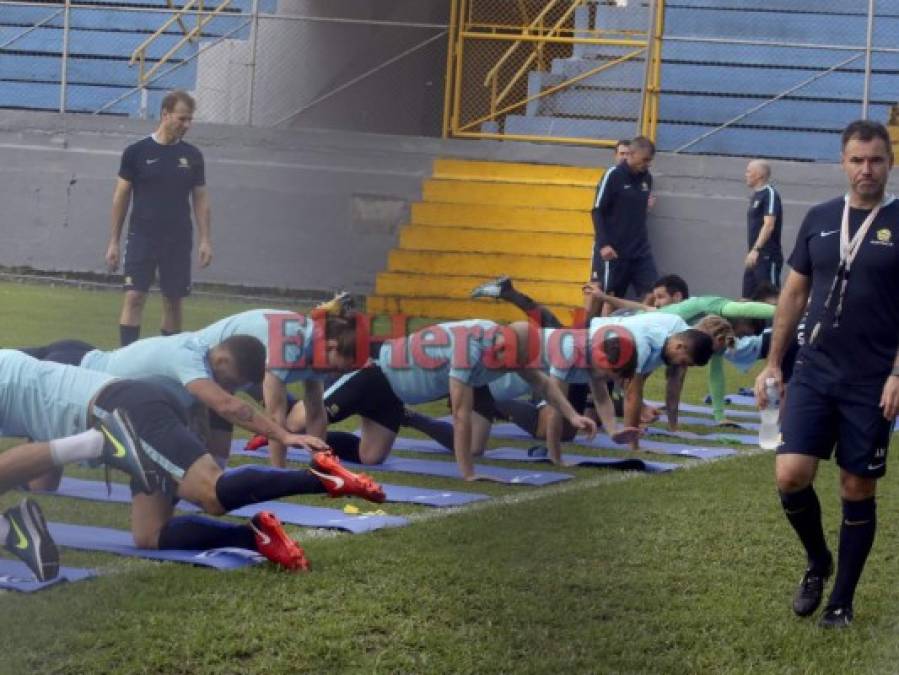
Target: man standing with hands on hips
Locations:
point(164, 175)
point(844, 394)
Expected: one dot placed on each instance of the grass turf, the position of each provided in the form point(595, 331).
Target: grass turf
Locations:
point(685, 572)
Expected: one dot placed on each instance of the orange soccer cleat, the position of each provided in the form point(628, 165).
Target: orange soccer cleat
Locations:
point(341, 482)
point(256, 442)
point(272, 542)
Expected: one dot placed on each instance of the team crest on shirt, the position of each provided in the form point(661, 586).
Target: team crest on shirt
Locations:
point(883, 237)
point(183, 163)
point(644, 186)
point(333, 410)
point(755, 204)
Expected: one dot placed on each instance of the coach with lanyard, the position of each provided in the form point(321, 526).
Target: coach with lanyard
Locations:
point(845, 389)
point(622, 256)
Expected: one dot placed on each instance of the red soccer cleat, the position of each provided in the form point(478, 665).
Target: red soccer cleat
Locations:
point(256, 442)
point(272, 542)
point(341, 482)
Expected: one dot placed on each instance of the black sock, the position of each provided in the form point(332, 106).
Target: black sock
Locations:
point(166, 333)
point(440, 431)
point(856, 539)
point(345, 445)
point(803, 510)
point(252, 484)
point(200, 533)
point(523, 414)
point(128, 334)
point(527, 305)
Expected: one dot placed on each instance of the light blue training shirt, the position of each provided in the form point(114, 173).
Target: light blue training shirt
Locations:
point(650, 331)
point(255, 322)
point(42, 400)
point(182, 357)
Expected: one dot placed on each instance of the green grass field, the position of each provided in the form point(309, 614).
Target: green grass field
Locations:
point(686, 572)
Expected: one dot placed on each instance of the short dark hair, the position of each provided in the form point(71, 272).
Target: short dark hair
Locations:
point(624, 141)
point(699, 345)
point(249, 355)
point(173, 98)
point(673, 284)
point(343, 330)
point(612, 346)
point(765, 289)
point(643, 143)
point(866, 130)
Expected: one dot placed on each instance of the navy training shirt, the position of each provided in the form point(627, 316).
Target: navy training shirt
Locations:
point(762, 203)
point(162, 178)
point(619, 211)
point(862, 348)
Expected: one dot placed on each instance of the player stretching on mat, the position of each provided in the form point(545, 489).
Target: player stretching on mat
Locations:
point(45, 400)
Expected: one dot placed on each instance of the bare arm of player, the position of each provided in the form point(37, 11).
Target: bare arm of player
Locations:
point(889, 398)
point(752, 257)
point(548, 389)
point(633, 404)
point(602, 402)
point(203, 216)
point(594, 289)
point(314, 404)
point(554, 428)
point(274, 398)
point(790, 307)
point(121, 198)
point(674, 384)
point(245, 415)
point(462, 402)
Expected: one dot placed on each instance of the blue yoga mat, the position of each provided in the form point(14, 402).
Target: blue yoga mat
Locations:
point(725, 436)
point(15, 576)
point(624, 464)
point(709, 422)
point(735, 399)
point(706, 410)
point(426, 467)
point(508, 430)
point(119, 542)
point(293, 514)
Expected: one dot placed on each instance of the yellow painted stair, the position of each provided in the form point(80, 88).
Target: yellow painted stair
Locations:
point(480, 220)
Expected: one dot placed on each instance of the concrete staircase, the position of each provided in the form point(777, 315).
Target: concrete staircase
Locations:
point(478, 220)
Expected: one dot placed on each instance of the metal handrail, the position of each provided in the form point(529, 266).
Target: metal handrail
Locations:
point(492, 78)
point(139, 55)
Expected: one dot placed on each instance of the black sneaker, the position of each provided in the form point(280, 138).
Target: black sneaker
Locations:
point(810, 591)
point(121, 447)
point(30, 540)
point(836, 617)
point(493, 289)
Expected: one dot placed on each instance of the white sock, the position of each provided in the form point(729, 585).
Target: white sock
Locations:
point(4, 529)
point(78, 448)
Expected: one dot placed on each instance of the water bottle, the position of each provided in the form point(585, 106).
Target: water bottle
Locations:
point(769, 431)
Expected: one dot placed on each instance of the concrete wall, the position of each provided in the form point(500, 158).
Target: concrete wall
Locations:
point(299, 60)
point(319, 210)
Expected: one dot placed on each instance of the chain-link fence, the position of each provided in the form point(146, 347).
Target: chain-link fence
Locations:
point(572, 70)
point(779, 78)
point(344, 64)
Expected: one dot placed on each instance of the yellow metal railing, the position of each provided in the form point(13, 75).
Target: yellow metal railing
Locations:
point(139, 55)
point(475, 35)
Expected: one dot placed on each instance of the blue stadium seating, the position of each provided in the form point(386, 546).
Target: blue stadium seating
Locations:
point(705, 84)
point(101, 41)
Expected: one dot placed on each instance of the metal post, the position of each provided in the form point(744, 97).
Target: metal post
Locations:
point(647, 74)
point(866, 94)
point(64, 71)
point(254, 32)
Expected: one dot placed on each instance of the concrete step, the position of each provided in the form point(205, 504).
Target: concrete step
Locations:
point(530, 267)
point(476, 192)
point(521, 242)
point(511, 172)
point(460, 287)
point(501, 217)
point(442, 308)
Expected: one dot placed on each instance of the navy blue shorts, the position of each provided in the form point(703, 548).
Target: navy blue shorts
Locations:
point(617, 275)
point(767, 268)
point(145, 254)
point(819, 417)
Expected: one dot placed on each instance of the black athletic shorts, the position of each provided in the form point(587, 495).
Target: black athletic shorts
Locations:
point(67, 352)
point(818, 417)
point(619, 274)
point(161, 422)
point(483, 404)
point(145, 254)
point(767, 269)
point(365, 392)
